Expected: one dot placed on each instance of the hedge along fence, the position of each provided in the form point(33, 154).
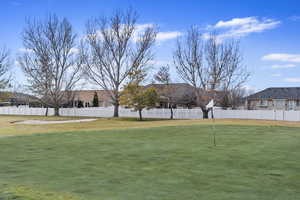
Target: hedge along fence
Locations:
point(157, 113)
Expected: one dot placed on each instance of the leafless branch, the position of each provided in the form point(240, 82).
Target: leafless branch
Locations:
point(113, 49)
point(214, 66)
point(4, 68)
point(50, 64)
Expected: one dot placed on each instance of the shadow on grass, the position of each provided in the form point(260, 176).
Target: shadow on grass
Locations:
point(134, 119)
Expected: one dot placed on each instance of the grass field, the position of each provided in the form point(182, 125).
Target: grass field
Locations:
point(7, 128)
point(152, 160)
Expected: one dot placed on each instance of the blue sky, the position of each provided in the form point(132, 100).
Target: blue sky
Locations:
point(269, 30)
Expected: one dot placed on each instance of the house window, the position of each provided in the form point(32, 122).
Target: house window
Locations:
point(263, 102)
point(280, 104)
point(290, 105)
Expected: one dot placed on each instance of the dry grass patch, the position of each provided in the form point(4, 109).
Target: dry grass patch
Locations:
point(8, 128)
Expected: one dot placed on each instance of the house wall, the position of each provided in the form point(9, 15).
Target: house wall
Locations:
point(273, 104)
point(86, 97)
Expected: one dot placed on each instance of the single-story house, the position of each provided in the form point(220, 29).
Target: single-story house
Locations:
point(181, 95)
point(84, 98)
point(18, 99)
point(275, 98)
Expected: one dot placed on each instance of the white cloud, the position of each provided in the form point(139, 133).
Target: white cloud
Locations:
point(139, 30)
point(292, 80)
point(276, 75)
point(284, 66)
point(161, 36)
point(249, 88)
point(240, 27)
point(24, 50)
point(74, 50)
point(235, 22)
point(160, 62)
point(283, 57)
point(141, 27)
point(16, 63)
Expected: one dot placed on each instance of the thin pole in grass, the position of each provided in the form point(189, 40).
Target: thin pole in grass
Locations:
point(214, 128)
point(210, 106)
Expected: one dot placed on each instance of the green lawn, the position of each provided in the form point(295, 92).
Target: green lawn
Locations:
point(160, 163)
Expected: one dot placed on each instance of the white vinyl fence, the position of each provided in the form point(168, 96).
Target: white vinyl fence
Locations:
point(152, 113)
point(158, 113)
point(25, 111)
point(258, 114)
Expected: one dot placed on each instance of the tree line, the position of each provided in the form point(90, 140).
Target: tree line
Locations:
point(117, 58)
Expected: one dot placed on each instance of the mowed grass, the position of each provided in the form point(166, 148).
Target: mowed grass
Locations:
point(153, 163)
point(8, 128)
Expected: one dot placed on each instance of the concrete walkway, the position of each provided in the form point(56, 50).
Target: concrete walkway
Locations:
point(38, 122)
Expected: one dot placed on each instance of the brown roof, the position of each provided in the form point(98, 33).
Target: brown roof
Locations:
point(179, 92)
point(88, 95)
point(17, 97)
point(277, 93)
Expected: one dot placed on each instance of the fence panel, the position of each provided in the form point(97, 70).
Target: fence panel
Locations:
point(291, 116)
point(279, 115)
point(25, 111)
point(248, 114)
point(157, 113)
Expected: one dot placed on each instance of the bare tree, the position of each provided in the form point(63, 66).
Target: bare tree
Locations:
point(237, 97)
point(209, 66)
point(163, 76)
point(113, 49)
point(228, 74)
point(4, 68)
point(233, 98)
point(188, 60)
point(50, 63)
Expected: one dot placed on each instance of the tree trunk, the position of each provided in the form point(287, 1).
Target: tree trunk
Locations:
point(46, 114)
point(140, 115)
point(56, 111)
point(116, 110)
point(205, 113)
point(172, 114)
